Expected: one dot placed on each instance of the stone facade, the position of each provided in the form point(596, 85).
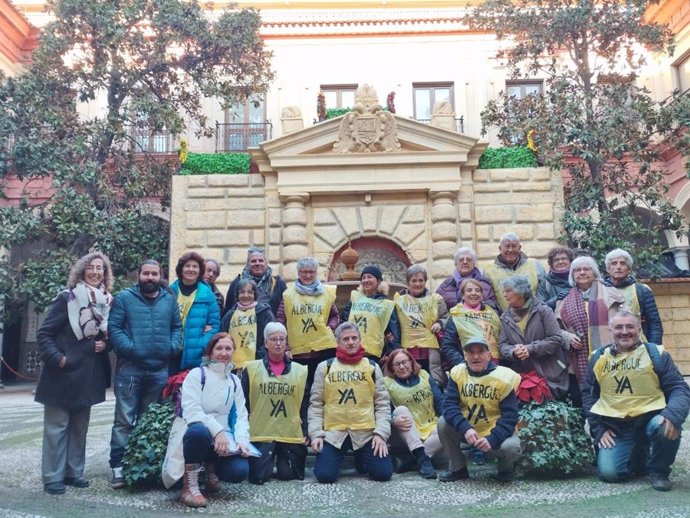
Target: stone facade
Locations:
point(673, 299)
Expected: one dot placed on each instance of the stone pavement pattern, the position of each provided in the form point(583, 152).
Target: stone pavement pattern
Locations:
point(21, 493)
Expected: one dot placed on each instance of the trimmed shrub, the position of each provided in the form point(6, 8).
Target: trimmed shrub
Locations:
point(507, 158)
point(216, 163)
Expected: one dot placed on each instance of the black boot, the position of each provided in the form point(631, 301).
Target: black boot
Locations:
point(426, 469)
point(404, 463)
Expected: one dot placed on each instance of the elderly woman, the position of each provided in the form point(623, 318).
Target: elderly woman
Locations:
point(556, 286)
point(198, 308)
point(417, 404)
point(531, 338)
point(585, 314)
point(470, 318)
point(278, 424)
point(374, 314)
point(217, 435)
point(465, 268)
point(309, 313)
point(76, 370)
point(421, 315)
point(245, 323)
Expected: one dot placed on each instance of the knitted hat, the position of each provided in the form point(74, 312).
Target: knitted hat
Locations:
point(372, 270)
point(475, 340)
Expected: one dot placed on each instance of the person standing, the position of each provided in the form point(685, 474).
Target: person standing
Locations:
point(211, 274)
point(145, 331)
point(269, 287)
point(636, 402)
point(349, 409)
point(76, 370)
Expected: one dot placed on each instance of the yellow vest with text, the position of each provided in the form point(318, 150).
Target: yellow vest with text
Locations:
point(371, 317)
point(416, 316)
point(274, 403)
point(481, 396)
point(242, 329)
point(307, 320)
point(496, 274)
point(628, 385)
point(348, 396)
point(630, 294)
point(470, 324)
point(418, 399)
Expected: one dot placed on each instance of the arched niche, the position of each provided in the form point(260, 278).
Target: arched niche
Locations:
point(374, 250)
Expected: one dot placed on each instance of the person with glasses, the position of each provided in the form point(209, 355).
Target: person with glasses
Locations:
point(417, 401)
point(309, 313)
point(245, 322)
point(269, 287)
point(511, 261)
point(556, 286)
point(465, 268)
point(276, 397)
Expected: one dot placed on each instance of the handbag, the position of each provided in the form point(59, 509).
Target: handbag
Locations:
point(173, 465)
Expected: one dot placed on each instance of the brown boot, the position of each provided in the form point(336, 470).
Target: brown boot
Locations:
point(212, 480)
point(191, 495)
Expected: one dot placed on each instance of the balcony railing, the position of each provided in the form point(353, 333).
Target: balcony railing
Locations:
point(143, 140)
point(459, 123)
point(237, 136)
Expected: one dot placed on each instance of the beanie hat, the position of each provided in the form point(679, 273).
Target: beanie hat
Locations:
point(372, 270)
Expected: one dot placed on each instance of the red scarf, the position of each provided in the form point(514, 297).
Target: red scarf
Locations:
point(349, 358)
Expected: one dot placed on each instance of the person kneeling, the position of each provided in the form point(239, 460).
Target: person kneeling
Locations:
point(349, 409)
point(636, 402)
point(480, 409)
point(274, 388)
point(212, 400)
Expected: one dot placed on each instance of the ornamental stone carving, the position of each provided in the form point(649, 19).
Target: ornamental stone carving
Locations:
point(367, 128)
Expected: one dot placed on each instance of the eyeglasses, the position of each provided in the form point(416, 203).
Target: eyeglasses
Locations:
point(279, 340)
point(401, 363)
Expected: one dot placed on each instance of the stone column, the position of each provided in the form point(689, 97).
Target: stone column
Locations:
point(295, 243)
point(680, 256)
point(444, 234)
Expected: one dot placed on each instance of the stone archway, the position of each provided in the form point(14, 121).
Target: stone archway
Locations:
point(375, 250)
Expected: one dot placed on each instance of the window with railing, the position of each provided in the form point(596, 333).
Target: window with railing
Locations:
point(426, 95)
point(144, 140)
point(245, 126)
point(339, 96)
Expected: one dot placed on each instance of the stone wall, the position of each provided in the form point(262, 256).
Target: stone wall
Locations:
point(673, 300)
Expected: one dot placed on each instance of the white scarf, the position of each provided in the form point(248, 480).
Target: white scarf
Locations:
point(88, 309)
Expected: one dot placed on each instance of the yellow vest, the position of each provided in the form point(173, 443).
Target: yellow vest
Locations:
point(184, 302)
point(242, 329)
point(274, 402)
point(419, 400)
point(307, 320)
point(416, 316)
point(348, 396)
point(371, 317)
point(630, 293)
point(629, 387)
point(481, 396)
point(485, 323)
point(496, 275)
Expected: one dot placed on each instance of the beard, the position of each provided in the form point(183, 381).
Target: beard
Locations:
point(149, 287)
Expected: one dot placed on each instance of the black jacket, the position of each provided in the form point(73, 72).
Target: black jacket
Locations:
point(264, 316)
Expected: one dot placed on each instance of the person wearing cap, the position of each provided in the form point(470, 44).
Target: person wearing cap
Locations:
point(374, 315)
point(480, 409)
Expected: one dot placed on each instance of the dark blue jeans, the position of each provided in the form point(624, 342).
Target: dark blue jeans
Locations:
point(635, 445)
point(198, 448)
point(327, 467)
point(135, 389)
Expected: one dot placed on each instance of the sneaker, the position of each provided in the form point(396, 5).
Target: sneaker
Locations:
point(54, 488)
point(80, 482)
point(452, 476)
point(118, 480)
point(426, 469)
point(660, 482)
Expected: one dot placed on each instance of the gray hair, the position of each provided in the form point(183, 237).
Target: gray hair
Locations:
point(583, 259)
point(625, 314)
point(78, 271)
point(465, 250)
point(509, 236)
point(414, 270)
point(214, 262)
point(256, 250)
point(518, 284)
point(618, 252)
point(307, 262)
point(272, 328)
point(346, 326)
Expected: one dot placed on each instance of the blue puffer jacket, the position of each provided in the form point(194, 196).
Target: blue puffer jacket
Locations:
point(651, 321)
point(204, 311)
point(147, 332)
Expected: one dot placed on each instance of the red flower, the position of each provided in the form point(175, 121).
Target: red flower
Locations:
point(533, 388)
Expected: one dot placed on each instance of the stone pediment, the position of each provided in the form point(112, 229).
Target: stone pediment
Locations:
point(315, 160)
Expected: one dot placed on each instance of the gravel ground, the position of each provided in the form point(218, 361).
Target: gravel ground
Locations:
point(21, 493)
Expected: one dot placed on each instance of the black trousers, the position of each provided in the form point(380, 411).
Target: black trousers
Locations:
point(289, 460)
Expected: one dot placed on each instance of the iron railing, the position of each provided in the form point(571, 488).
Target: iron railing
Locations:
point(143, 140)
point(238, 136)
point(459, 123)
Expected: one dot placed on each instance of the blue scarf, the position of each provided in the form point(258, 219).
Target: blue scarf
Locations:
point(313, 290)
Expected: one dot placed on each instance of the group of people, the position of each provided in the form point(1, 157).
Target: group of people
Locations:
point(275, 369)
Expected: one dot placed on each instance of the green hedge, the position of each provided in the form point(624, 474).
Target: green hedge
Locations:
point(507, 158)
point(216, 163)
point(332, 113)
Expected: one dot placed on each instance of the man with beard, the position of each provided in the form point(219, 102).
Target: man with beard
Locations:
point(145, 331)
point(269, 287)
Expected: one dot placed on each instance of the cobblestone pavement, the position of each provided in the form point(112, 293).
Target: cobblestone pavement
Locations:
point(21, 493)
